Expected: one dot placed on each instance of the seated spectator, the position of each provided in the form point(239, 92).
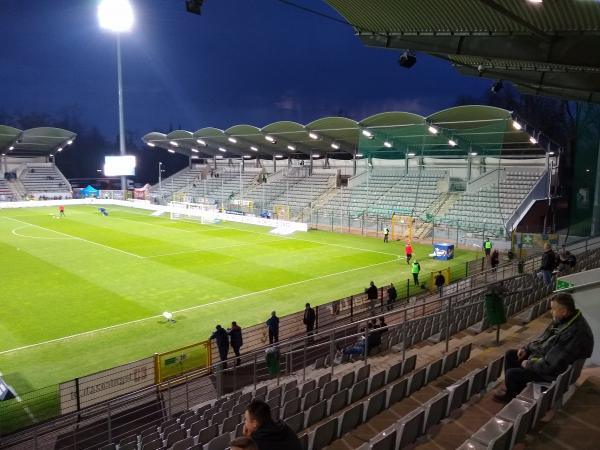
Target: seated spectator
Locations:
point(566, 259)
point(374, 337)
point(383, 327)
point(267, 434)
point(358, 348)
point(567, 339)
point(242, 443)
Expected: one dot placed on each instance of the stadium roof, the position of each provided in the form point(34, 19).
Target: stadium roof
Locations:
point(42, 141)
point(551, 47)
point(457, 132)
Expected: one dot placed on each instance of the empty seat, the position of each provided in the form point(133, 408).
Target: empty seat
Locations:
point(338, 402)
point(347, 381)
point(409, 364)
point(208, 434)
point(417, 380)
point(363, 372)
point(449, 362)
point(296, 422)
point(315, 413)
point(230, 424)
point(358, 391)
point(396, 393)
point(393, 373)
point(329, 389)
point(435, 410)
point(219, 443)
point(219, 417)
point(290, 408)
point(175, 436)
point(323, 379)
point(457, 394)
point(351, 419)
point(520, 413)
point(477, 381)
point(374, 405)
point(291, 393)
point(495, 370)
point(464, 353)
point(312, 398)
point(196, 426)
point(324, 434)
point(495, 434)
point(409, 427)
point(433, 371)
point(307, 387)
point(376, 381)
point(275, 392)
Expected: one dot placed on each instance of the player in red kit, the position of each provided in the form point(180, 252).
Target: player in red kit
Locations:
point(408, 251)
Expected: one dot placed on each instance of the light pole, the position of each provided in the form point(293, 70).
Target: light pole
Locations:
point(160, 180)
point(117, 16)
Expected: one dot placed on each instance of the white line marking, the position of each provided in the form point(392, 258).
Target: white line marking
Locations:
point(75, 237)
point(205, 305)
point(14, 231)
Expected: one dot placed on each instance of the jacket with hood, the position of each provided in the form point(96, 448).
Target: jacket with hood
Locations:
point(276, 436)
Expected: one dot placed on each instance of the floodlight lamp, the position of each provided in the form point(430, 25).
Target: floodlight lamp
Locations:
point(473, 154)
point(174, 144)
point(550, 153)
point(221, 149)
point(70, 141)
point(536, 2)
point(151, 144)
point(366, 133)
point(452, 143)
point(3, 154)
point(516, 125)
point(195, 150)
point(270, 139)
point(316, 155)
point(232, 140)
point(533, 140)
point(291, 147)
point(247, 156)
point(278, 156)
point(253, 148)
point(410, 155)
point(115, 15)
point(170, 150)
point(433, 130)
point(218, 157)
point(201, 142)
point(59, 149)
point(387, 144)
point(313, 136)
point(359, 155)
point(335, 146)
point(195, 157)
point(11, 148)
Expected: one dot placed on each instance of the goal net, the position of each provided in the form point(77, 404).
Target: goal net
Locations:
point(203, 213)
point(402, 228)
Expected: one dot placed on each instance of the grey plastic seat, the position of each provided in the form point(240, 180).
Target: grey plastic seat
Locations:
point(433, 371)
point(154, 445)
point(374, 405)
point(470, 444)
point(347, 381)
point(457, 394)
point(323, 379)
point(290, 408)
point(351, 418)
point(290, 394)
point(495, 434)
point(230, 424)
point(477, 381)
point(409, 427)
point(315, 413)
point(363, 373)
point(274, 402)
point(246, 398)
point(296, 422)
point(376, 381)
point(397, 392)
point(312, 398)
point(307, 387)
point(174, 436)
point(495, 370)
point(219, 443)
point(449, 362)
point(358, 391)
point(409, 364)
point(196, 426)
point(338, 402)
point(464, 353)
point(261, 392)
point(329, 389)
point(149, 438)
point(275, 392)
point(324, 434)
point(520, 413)
point(208, 434)
point(393, 373)
point(290, 385)
point(228, 405)
point(219, 417)
point(386, 440)
point(128, 446)
point(239, 408)
point(435, 410)
point(417, 379)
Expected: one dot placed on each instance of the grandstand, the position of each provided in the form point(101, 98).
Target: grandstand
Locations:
point(43, 179)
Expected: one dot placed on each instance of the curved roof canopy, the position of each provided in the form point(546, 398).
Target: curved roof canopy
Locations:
point(43, 141)
point(551, 47)
point(458, 131)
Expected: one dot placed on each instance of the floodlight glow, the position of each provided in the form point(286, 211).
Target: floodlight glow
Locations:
point(221, 149)
point(115, 15)
point(533, 140)
point(516, 125)
point(232, 140)
point(452, 143)
point(247, 156)
point(219, 157)
point(195, 157)
point(170, 150)
point(387, 144)
point(195, 150)
point(11, 148)
point(359, 155)
point(335, 145)
point(70, 141)
point(271, 139)
point(314, 136)
point(433, 130)
point(3, 154)
point(550, 153)
point(291, 147)
point(473, 153)
point(537, 2)
point(316, 155)
point(174, 144)
point(59, 149)
point(367, 133)
point(118, 166)
point(201, 142)
point(253, 148)
point(410, 155)
point(151, 144)
point(278, 156)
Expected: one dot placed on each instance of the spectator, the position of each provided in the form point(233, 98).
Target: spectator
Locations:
point(548, 263)
point(242, 443)
point(416, 268)
point(392, 296)
point(487, 247)
point(566, 259)
point(383, 327)
point(567, 339)
point(222, 339)
point(440, 280)
point(408, 251)
point(235, 334)
point(374, 336)
point(309, 319)
point(386, 234)
point(273, 326)
point(266, 433)
point(371, 292)
point(495, 259)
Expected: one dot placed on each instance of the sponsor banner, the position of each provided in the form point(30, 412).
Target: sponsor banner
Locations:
point(91, 389)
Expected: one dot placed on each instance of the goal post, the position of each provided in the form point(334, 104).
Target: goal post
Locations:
point(204, 213)
point(402, 228)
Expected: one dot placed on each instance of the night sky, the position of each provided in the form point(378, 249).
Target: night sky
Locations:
point(241, 61)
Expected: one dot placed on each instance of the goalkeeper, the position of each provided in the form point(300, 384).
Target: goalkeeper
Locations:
point(103, 211)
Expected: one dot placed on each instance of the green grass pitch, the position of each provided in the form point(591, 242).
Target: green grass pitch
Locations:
point(82, 293)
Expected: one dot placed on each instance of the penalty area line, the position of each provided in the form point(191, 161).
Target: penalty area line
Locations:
point(192, 308)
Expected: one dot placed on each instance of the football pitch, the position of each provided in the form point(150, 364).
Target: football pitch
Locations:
point(86, 292)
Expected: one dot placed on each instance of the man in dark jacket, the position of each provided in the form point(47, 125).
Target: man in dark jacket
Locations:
point(440, 280)
point(567, 339)
point(392, 296)
point(371, 292)
point(309, 319)
point(267, 434)
point(273, 326)
point(222, 342)
point(548, 263)
point(235, 334)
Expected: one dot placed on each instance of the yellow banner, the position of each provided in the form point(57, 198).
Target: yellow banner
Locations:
point(180, 361)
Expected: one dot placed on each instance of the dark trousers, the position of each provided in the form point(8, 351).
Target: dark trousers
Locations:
point(223, 352)
point(408, 257)
point(390, 303)
point(440, 290)
point(236, 350)
point(273, 336)
point(515, 377)
point(385, 238)
point(310, 326)
point(416, 278)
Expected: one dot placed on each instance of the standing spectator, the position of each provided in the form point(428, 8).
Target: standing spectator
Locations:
point(487, 247)
point(440, 280)
point(495, 259)
point(266, 433)
point(61, 211)
point(416, 268)
point(548, 263)
point(371, 292)
point(222, 343)
point(242, 443)
point(408, 252)
point(392, 296)
point(273, 326)
point(386, 234)
point(235, 334)
point(566, 259)
point(309, 319)
point(383, 327)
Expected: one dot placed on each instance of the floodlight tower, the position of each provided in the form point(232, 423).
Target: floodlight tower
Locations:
point(117, 16)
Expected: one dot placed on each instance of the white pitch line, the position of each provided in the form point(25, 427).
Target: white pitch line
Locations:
point(205, 305)
point(75, 237)
point(14, 232)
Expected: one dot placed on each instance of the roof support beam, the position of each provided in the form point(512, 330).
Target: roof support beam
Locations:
point(515, 18)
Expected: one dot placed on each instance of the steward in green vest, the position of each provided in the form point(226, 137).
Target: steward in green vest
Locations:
point(487, 247)
point(415, 269)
